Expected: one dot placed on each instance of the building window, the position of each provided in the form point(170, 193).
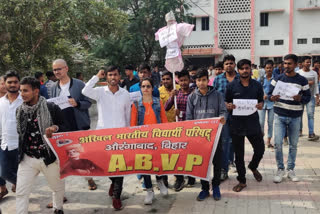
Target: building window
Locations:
point(263, 60)
point(205, 23)
point(302, 41)
point(264, 19)
point(194, 22)
point(277, 60)
point(278, 42)
point(315, 40)
point(264, 42)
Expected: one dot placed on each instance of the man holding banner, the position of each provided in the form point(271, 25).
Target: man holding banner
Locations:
point(114, 109)
point(36, 117)
point(207, 102)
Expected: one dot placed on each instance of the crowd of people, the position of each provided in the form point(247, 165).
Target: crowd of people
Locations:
point(26, 116)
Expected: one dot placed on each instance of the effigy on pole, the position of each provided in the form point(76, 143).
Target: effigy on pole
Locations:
point(172, 36)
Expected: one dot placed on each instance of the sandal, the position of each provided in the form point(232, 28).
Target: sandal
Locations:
point(92, 185)
point(2, 194)
point(270, 146)
point(13, 188)
point(239, 187)
point(50, 205)
point(257, 175)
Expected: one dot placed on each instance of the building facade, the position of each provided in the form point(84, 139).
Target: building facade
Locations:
point(254, 29)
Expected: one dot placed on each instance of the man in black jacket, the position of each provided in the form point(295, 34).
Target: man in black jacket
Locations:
point(36, 117)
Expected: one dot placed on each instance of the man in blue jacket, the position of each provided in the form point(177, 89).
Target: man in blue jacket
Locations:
point(76, 117)
point(144, 71)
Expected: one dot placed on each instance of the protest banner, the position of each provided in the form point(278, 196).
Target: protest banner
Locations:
point(182, 148)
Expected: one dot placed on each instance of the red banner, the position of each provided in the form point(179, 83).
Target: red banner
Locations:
point(182, 148)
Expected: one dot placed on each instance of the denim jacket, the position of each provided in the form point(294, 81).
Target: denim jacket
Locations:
point(155, 106)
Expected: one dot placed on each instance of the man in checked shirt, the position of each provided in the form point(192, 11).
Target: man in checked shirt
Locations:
point(182, 98)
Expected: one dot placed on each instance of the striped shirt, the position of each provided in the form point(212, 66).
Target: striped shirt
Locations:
point(291, 108)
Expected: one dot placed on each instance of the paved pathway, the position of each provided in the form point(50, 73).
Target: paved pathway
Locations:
point(258, 198)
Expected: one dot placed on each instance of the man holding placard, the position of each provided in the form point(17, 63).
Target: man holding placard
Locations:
point(243, 97)
point(288, 109)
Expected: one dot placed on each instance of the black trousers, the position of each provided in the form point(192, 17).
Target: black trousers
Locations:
point(148, 182)
point(181, 178)
point(117, 186)
point(217, 162)
point(258, 151)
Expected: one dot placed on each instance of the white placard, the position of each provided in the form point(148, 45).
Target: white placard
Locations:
point(244, 107)
point(62, 102)
point(285, 90)
point(135, 96)
point(167, 35)
point(172, 53)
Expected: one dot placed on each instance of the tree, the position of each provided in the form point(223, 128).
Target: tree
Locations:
point(145, 18)
point(33, 33)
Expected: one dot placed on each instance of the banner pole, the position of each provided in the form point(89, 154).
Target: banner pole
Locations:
point(175, 97)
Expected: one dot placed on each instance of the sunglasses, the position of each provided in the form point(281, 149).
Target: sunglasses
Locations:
point(146, 86)
point(58, 69)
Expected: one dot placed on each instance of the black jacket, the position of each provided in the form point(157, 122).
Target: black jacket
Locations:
point(57, 119)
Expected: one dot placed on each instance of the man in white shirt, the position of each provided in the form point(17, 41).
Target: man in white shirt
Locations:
point(8, 128)
point(114, 108)
point(312, 78)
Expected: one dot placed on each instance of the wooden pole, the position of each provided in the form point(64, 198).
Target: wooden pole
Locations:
point(175, 97)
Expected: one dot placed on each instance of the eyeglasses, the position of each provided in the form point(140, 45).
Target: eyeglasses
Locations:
point(146, 86)
point(58, 69)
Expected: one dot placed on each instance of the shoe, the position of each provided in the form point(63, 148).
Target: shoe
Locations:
point(256, 175)
point(224, 175)
point(149, 197)
point(292, 176)
point(239, 187)
point(216, 193)
point(116, 203)
point(4, 193)
point(203, 195)
point(111, 190)
point(232, 164)
point(191, 182)
point(285, 141)
point(179, 185)
point(92, 185)
point(58, 211)
point(50, 205)
point(279, 176)
point(313, 137)
point(162, 187)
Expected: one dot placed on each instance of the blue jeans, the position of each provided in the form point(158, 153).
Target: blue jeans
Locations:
point(226, 141)
point(281, 124)
point(9, 165)
point(310, 112)
point(262, 116)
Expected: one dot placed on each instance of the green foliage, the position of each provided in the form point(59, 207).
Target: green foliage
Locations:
point(35, 32)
